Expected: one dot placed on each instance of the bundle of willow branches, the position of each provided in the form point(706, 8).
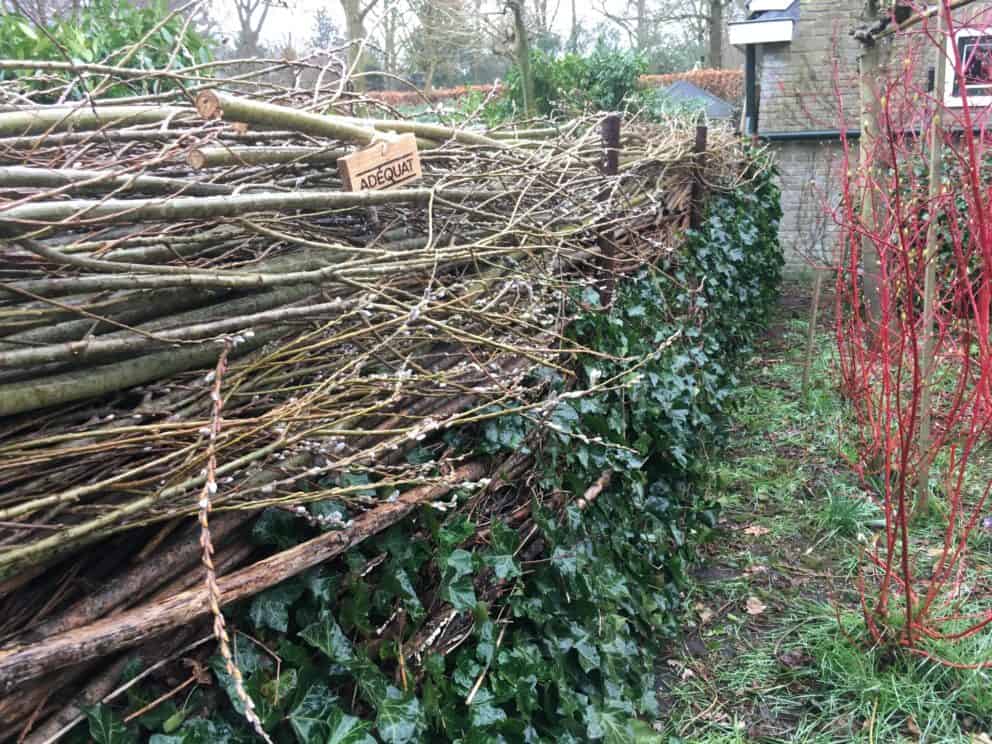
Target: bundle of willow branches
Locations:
point(195, 318)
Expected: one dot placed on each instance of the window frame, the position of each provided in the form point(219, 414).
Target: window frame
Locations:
point(952, 97)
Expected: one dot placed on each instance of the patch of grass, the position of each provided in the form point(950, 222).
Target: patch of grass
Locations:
point(796, 521)
point(895, 696)
point(847, 513)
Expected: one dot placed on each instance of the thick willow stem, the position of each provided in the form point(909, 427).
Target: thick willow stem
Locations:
point(226, 157)
point(81, 117)
point(21, 664)
point(212, 104)
point(130, 343)
point(84, 180)
point(121, 211)
point(67, 387)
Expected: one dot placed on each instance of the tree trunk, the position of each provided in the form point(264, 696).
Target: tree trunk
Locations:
point(873, 64)
point(389, 41)
point(541, 15)
point(429, 75)
point(523, 58)
point(930, 277)
point(643, 30)
point(573, 35)
point(715, 25)
point(354, 22)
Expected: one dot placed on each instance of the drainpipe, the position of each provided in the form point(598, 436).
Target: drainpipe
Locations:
point(751, 90)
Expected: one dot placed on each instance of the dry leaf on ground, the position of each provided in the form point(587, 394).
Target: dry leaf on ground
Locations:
point(704, 612)
point(757, 530)
point(755, 606)
point(795, 657)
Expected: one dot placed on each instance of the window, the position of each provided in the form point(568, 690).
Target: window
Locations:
point(974, 46)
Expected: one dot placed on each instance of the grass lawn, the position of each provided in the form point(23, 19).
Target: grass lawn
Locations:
point(776, 649)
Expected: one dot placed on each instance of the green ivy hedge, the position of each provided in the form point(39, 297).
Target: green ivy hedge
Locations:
point(569, 655)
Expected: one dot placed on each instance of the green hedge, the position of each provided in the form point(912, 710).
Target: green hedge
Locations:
point(103, 31)
point(571, 657)
point(564, 85)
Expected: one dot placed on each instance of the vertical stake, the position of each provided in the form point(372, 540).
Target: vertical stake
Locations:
point(610, 133)
point(609, 166)
point(936, 167)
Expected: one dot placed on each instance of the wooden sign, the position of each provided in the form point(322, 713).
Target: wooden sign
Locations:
point(382, 165)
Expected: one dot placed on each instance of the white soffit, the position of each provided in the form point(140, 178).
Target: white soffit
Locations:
point(775, 31)
point(759, 6)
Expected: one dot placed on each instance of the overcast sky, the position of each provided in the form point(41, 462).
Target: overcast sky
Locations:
point(294, 18)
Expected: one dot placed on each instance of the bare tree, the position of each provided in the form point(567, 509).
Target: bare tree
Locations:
point(443, 31)
point(41, 12)
point(251, 18)
point(523, 55)
point(542, 19)
point(645, 21)
point(390, 37)
point(355, 14)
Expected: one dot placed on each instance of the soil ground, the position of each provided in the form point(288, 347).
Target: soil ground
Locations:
point(776, 649)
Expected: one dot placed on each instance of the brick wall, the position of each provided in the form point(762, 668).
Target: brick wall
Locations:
point(797, 80)
point(810, 178)
point(812, 84)
point(799, 86)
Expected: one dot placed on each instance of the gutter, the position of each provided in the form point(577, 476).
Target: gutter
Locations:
point(816, 135)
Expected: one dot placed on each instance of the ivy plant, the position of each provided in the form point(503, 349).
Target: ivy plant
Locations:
point(551, 633)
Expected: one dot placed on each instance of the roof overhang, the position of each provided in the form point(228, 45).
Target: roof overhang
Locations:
point(760, 31)
point(759, 6)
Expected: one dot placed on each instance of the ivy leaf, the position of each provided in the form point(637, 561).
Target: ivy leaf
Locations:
point(270, 609)
point(460, 561)
point(588, 655)
point(460, 594)
point(279, 690)
point(327, 636)
point(347, 729)
point(310, 719)
point(200, 731)
point(484, 712)
point(565, 561)
point(400, 717)
point(610, 726)
point(505, 539)
point(504, 566)
point(106, 727)
point(453, 533)
point(398, 582)
point(321, 587)
point(278, 528)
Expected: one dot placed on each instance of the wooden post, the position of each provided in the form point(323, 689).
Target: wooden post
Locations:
point(930, 276)
point(609, 166)
point(811, 332)
point(610, 133)
point(698, 186)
